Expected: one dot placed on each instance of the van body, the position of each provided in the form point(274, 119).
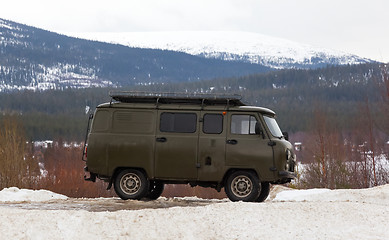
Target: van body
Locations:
point(139, 142)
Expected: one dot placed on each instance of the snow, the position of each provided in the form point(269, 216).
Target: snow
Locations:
point(14, 194)
point(377, 195)
point(287, 214)
point(58, 76)
point(300, 195)
point(241, 46)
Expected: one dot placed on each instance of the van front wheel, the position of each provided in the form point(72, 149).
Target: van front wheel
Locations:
point(265, 190)
point(155, 190)
point(242, 186)
point(131, 184)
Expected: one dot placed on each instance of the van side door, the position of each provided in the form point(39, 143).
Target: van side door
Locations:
point(176, 145)
point(244, 148)
point(212, 145)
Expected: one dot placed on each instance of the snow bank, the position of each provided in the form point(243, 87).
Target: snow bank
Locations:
point(300, 195)
point(14, 194)
point(292, 214)
point(376, 195)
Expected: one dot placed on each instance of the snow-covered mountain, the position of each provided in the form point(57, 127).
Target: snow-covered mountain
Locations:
point(33, 58)
point(232, 46)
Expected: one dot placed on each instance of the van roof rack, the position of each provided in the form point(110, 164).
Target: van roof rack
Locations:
point(177, 97)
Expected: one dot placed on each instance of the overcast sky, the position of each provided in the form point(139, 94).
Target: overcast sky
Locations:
point(355, 26)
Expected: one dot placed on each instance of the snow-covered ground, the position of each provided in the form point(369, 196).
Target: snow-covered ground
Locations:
point(287, 214)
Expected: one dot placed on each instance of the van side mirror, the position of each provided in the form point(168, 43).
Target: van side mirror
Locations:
point(286, 135)
point(258, 129)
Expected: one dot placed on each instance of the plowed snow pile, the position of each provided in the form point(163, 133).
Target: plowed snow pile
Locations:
point(287, 214)
point(14, 194)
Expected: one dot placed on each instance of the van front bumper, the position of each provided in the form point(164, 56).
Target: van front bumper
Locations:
point(287, 174)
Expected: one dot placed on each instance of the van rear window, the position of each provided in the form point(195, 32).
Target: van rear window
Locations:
point(101, 121)
point(178, 122)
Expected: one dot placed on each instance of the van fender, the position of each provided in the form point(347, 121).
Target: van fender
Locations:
point(231, 170)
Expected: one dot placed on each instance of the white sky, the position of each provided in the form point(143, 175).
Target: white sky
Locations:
point(355, 26)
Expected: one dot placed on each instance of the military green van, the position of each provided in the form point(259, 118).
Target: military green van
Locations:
point(140, 141)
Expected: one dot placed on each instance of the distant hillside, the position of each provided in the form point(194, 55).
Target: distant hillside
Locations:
point(233, 46)
point(33, 58)
point(293, 94)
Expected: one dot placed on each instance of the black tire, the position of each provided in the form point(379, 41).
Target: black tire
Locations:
point(265, 190)
point(131, 184)
point(242, 186)
point(155, 190)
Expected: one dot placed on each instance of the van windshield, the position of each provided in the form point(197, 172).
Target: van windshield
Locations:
point(273, 126)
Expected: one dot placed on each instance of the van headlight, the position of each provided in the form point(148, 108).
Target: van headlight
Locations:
point(287, 166)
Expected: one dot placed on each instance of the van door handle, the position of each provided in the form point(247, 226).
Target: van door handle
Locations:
point(232, 141)
point(161, 139)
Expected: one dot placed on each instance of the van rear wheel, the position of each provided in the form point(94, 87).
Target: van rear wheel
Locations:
point(131, 184)
point(242, 186)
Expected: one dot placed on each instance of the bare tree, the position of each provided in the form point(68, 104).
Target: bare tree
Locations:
point(328, 151)
point(16, 166)
point(385, 95)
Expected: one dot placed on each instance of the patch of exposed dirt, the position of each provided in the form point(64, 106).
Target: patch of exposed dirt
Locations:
point(111, 204)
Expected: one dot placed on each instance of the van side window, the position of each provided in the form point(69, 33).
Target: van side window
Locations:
point(178, 122)
point(243, 124)
point(213, 123)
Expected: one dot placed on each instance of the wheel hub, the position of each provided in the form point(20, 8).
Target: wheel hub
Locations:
point(241, 186)
point(130, 183)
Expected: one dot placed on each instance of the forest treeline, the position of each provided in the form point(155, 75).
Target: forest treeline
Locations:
point(293, 94)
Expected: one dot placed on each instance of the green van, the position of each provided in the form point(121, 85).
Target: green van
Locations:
point(140, 141)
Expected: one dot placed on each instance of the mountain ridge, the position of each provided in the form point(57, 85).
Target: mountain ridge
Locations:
point(36, 59)
point(247, 47)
